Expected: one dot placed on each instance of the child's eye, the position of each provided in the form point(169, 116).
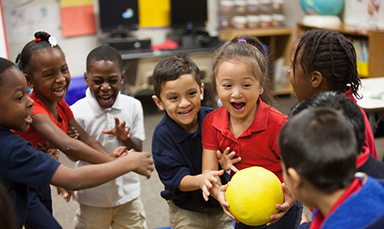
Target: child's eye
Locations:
point(98, 82)
point(173, 98)
point(192, 93)
point(227, 85)
point(113, 81)
point(246, 85)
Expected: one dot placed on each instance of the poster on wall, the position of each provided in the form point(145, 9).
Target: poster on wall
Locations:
point(77, 17)
point(365, 14)
point(3, 38)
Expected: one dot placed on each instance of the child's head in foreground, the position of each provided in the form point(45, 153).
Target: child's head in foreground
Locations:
point(341, 103)
point(15, 104)
point(178, 89)
point(43, 63)
point(240, 69)
point(104, 75)
point(318, 150)
point(323, 60)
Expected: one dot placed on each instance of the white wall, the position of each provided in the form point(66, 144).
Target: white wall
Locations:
point(25, 17)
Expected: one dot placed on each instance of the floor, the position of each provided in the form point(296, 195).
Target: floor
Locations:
point(155, 207)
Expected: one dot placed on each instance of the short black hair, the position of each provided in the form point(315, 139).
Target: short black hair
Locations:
point(106, 53)
point(171, 68)
point(341, 103)
point(319, 143)
point(5, 64)
point(330, 53)
point(41, 42)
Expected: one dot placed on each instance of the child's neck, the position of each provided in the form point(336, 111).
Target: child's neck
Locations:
point(238, 126)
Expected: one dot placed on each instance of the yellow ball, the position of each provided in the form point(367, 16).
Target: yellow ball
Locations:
point(253, 194)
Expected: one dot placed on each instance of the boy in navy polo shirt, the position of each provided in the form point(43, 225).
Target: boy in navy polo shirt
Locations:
point(177, 148)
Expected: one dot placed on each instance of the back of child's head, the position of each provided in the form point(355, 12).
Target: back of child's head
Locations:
point(42, 41)
point(319, 143)
point(330, 53)
point(4, 66)
point(341, 103)
point(104, 53)
point(249, 50)
point(171, 68)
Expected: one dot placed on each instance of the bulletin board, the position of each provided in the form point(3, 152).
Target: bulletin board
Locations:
point(77, 17)
point(3, 38)
point(154, 13)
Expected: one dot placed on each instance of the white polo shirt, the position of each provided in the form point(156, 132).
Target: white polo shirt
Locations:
point(94, 119)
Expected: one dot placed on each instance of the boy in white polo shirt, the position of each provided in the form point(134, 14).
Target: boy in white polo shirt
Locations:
point(114, 120)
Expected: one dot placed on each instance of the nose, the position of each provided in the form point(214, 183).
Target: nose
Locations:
point(30, 102)
point(105, 86)
point(184, 102)
point(60, 78)
point(236, 93)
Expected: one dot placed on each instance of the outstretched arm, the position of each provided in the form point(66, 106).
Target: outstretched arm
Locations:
point(209, 164)
point(227, 160)
point(87, 149)
point(89, 176)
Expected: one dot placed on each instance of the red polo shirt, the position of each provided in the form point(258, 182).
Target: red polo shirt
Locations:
point(257, 145)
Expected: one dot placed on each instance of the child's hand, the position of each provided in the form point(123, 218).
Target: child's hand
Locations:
point(120, 130)
point(226, 159)
point(67, 194)
point(223, 202)
point(143, 162)
point(72, 132)
point(304, 218)
point(207, 179)
point(289, 201)
point(118, 152)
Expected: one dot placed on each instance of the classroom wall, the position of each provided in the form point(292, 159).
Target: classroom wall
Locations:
point(24, 17)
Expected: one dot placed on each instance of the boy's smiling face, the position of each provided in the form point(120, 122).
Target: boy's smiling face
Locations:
point(181, 99)
point(15, 104)
point(104, 80)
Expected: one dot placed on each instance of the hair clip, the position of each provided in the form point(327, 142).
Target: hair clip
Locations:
point(241, 41)
point(37, 40)
point(52, 41)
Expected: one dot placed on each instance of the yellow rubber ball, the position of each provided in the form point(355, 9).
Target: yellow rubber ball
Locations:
point(253, 194)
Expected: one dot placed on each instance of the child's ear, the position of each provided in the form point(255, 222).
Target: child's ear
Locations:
point(316, 79)
point(158, 102)
point(122, 77)
point(296, 179)
point(29, 82)
point(202, 92)
point(86, 79)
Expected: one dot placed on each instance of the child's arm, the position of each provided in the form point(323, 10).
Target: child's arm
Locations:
point(192, 183)
point(89, 176)
point(209, 164)
point(81, 150)
point(123, 132)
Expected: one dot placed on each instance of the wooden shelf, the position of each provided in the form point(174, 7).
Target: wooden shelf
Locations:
point(375, 40)
point(278, 41)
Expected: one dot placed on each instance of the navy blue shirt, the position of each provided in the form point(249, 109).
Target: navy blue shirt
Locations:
point(372, 168)
point(178, 153)
point(20, 166)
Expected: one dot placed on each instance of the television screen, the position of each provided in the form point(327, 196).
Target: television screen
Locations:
point(118, 16)
point(188, 14)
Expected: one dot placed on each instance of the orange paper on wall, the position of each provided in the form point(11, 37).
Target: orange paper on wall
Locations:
point(78, 20)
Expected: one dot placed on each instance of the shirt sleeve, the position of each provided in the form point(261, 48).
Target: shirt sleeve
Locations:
point(30, 167)
point(169, 162)
point(208, 134)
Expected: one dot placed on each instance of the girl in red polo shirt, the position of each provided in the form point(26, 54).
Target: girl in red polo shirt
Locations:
point(245, 124)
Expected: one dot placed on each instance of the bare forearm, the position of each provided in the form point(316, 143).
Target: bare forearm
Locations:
point(133, 143)
point(190, 183)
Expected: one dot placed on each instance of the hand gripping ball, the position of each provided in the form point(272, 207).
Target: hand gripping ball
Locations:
point(253, 194)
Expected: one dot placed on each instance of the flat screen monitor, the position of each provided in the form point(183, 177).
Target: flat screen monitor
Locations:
point(188, 15)
point(118, 16)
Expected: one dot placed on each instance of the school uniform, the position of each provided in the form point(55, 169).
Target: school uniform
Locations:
point(257, 146)
point(369, 165)
point(20, 166)
point(178, 153)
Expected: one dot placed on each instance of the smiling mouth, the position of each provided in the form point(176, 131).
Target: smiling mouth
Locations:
point(185, 113)
point(59, 91)
point(238, 106)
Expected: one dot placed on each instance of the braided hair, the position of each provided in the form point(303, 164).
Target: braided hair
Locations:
point(43, 40)
point(330, 53)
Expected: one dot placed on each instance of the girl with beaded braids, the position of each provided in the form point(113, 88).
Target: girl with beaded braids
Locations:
point(324, 60)
point(43, 63)
point(244, 131)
